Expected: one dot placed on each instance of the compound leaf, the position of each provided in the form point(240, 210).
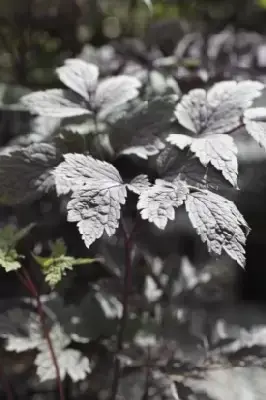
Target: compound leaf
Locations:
point(26, 173)
point(79, 76)
point(219, 150)
point(139, 183)
point(158, 202)
point(56, 103)
point(219, 224)
point(97, 195)
point(255, 122)
point(218, 110)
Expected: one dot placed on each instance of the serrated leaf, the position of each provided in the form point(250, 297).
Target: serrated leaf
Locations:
point(139, 184)
point(79, 76)
point(97, 195)
point(56, 103)
point(10, 235)
point(219, 150)
point(55, 266)
point(158, 202)
point(70, 361)
point(141, 131)
point(26, 174)
point(255, 122)
point(218, 110)
point(219, 224)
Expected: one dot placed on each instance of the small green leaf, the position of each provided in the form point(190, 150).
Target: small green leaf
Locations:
point(55, 266)
point(10, 235)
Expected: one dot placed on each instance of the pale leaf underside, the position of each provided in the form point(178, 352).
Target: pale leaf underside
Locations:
point(97, 195)
point(157, 204)
point(219, 224)
point(255, 122)
point(218, 150)
point(218, 110)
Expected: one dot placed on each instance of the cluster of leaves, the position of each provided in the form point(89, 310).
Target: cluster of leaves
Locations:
point(203, 122)
point(185, 148)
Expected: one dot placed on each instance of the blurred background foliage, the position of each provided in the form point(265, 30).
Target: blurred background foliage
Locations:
point(36, 35)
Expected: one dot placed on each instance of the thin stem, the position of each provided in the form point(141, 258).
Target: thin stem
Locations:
point(6, 386)
point(26, 279)
point(125, 304)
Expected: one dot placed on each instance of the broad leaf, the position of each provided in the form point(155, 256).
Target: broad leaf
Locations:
point(70, 361)
point(219, 150)
point(158, 202)
point(97, 195)
point(55, 103)
point(113, 92)
point(219, 224)
point(79, 76)
point(218, 110)
point(255, 122)
point(139, 184)
point(26, 174)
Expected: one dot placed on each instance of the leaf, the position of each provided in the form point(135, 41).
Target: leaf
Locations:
point(219, 224)
point(139, 184)
point(26, 174)
point(56, 103)
point(113, 92)
point(55, 266)
point(219, 150)
point(141, 131)
point(21, 329)
point(79, 76)
point(70, 361)
point(218, 110)
point(9, 237)
point(97, 195)
point(157, 203)
point(255, 122)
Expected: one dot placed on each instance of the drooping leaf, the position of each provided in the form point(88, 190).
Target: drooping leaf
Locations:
point(70, 361)
point(219, 224)
point(26, 174)
point(141, 132)
point(158, 202)
point(56, 103)
point(218, 110)
point(79, 76)
point(139, 183)
point(219, 150)
point(97, 195)
point(255, 122)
